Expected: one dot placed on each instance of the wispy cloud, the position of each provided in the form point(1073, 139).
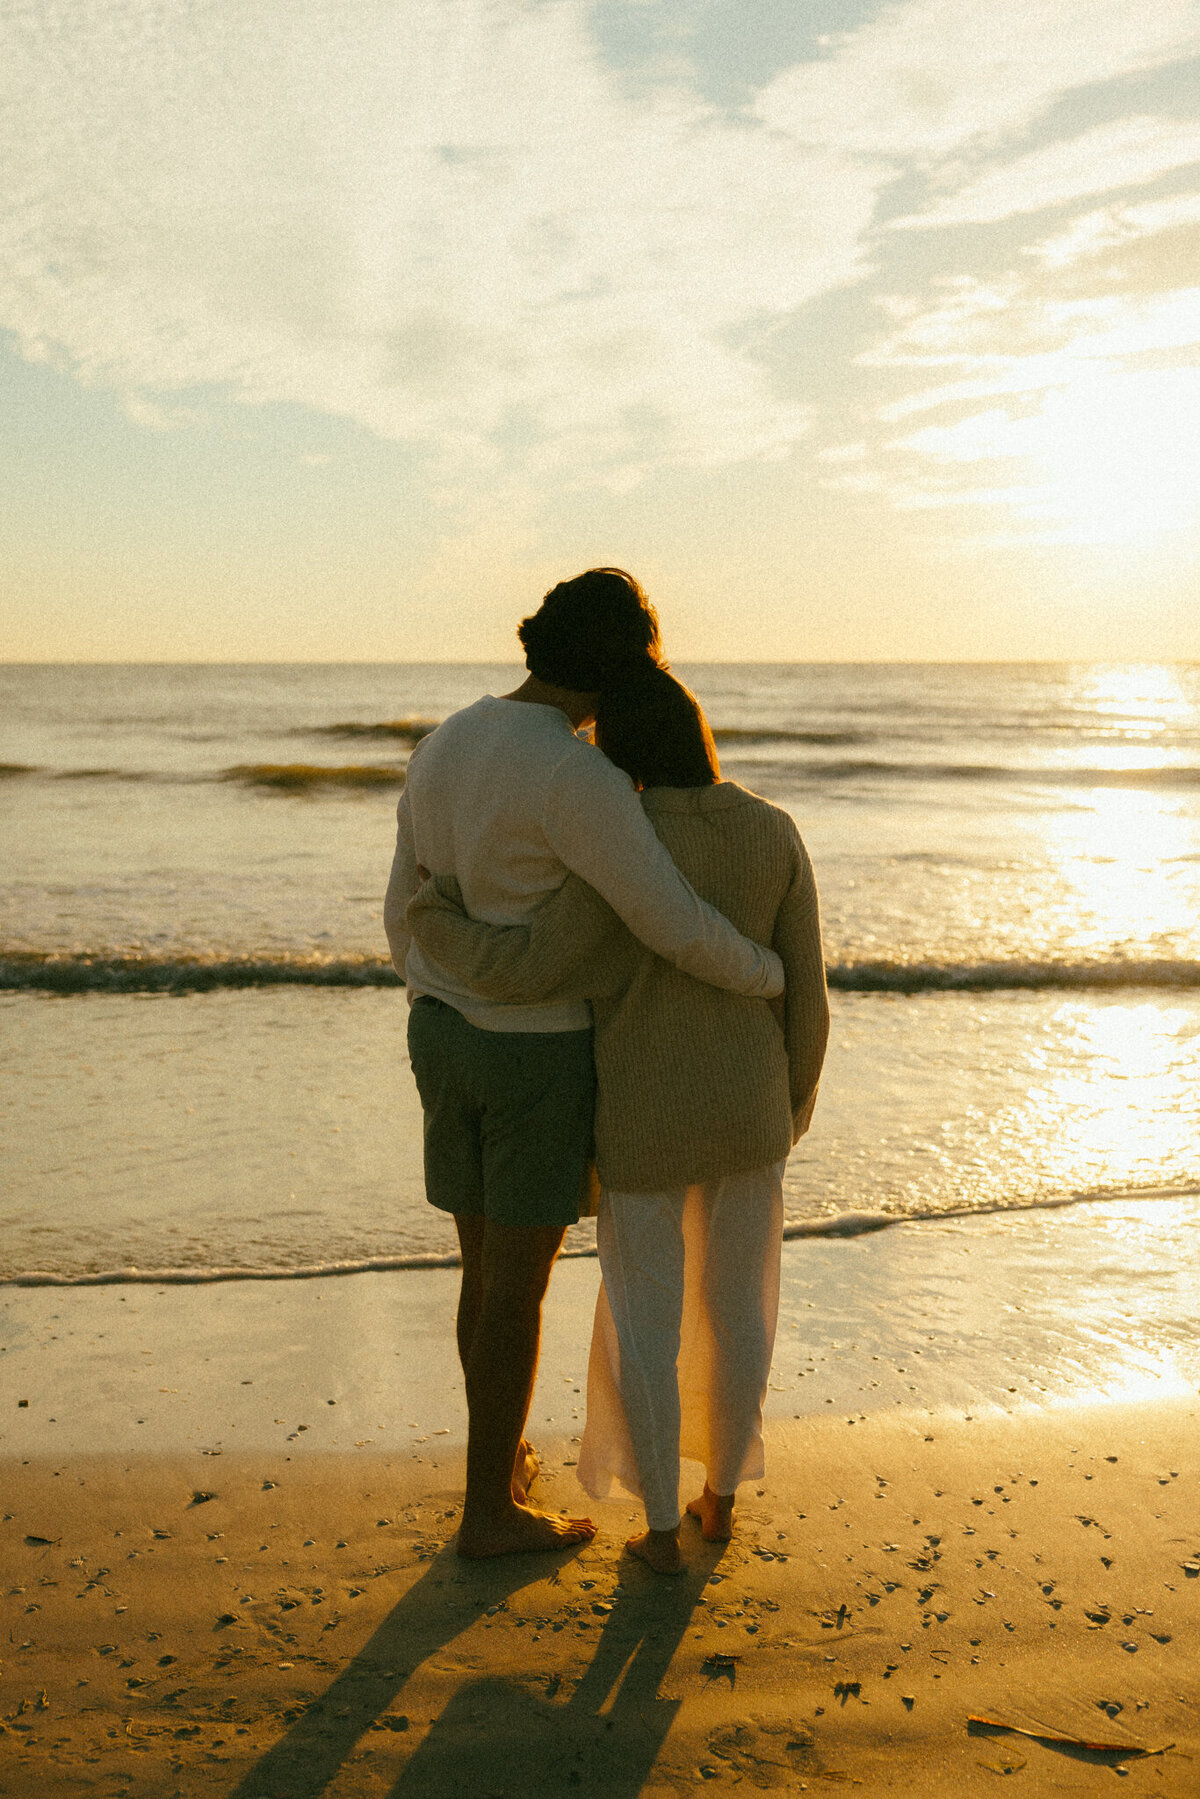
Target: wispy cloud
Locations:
point(1061, 387)
point(1080, 414)
point(1109, 458)
point(444, 220)
point(1120, 154)
point(1116, 227)
point(978, 324)
point(454, 223)
point(926, 78)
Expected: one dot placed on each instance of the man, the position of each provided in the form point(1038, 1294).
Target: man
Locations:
point(506, 797)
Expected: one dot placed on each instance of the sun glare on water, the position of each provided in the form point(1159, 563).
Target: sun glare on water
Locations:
point(1121, 858)
point(1131, 1072)
point(1141, 698)
point(1124, 854)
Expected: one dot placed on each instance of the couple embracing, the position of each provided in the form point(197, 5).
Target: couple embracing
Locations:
point(613, 961)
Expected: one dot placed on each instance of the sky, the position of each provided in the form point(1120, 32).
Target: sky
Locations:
point(338, 330)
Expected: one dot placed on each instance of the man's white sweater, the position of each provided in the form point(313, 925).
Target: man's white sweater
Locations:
point(507, 799)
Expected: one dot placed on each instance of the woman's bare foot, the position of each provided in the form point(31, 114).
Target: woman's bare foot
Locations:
point(520, 1530)
point(715, 1512)
point(659, 1549)
point(526, 1470)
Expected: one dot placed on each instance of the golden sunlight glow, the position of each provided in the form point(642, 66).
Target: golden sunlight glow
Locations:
point(1131, 1386)
point(1117, 457)
point(1130, 1233)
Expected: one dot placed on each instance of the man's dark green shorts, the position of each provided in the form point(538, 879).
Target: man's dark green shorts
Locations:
point(508, 1116)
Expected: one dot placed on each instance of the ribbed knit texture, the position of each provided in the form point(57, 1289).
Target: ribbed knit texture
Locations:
point(695, 1083)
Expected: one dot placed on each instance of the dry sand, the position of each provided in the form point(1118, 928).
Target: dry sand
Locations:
point(254, 1625)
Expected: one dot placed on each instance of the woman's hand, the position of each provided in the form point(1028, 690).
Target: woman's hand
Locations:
point(803, 1118)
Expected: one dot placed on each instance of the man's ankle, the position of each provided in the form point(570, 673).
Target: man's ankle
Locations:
point(488, 1505)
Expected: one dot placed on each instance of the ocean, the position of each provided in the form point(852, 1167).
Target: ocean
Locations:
point(202, 1064)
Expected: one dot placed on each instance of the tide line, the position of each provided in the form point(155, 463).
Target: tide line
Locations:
point(836, 1225)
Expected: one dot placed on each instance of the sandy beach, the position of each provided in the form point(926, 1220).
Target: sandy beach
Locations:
point(796, 409)
point(227, 1545)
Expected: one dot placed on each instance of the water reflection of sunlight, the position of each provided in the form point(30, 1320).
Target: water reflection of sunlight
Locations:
point(1131, 1386)
point(1148, 695)
point(1126, 755)
point(1132, 1364)
point(1119, 863)
point(1134, 1070)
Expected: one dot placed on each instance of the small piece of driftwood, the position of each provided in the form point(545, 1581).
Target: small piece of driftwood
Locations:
point(1070, 1742)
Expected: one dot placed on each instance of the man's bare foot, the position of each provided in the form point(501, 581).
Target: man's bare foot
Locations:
point(659, 1549)
point(715, 1512)
point(520, 1530)
point(526, 1470)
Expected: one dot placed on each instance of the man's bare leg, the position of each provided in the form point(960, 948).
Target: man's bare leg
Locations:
point(526, 1465)
point(715, 1512)
point(470, 1295)
point(515, 1266)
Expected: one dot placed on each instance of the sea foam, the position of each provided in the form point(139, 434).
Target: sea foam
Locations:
point(103, 972)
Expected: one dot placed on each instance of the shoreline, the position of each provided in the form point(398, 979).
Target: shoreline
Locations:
point(991, 1312)
point(834, 1224)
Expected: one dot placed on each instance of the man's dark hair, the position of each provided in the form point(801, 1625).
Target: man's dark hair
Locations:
point(590, 632)
point(654, 729)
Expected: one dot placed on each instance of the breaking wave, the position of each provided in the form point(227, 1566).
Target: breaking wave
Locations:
point(818, 739)
point(404, 730)
point(80, 972)
point(101, 774)
point(100, 972)
point(1157, 777)
point(998, 977)
point(815, 771)
point(309, 777)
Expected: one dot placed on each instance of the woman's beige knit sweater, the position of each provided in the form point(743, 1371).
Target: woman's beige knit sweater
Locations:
point(694, 1083)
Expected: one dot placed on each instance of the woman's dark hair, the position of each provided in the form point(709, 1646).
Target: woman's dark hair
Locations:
point(654, 729)
point(591, 632)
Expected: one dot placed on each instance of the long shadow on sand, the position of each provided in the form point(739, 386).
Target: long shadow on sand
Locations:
point(496, 1736)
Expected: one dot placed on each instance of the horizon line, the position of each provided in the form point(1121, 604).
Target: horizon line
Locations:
point(684, 661)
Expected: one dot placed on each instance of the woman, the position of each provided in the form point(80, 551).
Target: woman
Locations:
point(701, 1094)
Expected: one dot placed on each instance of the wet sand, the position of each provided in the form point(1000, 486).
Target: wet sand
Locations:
point(279, 1128)
point(253, 1592)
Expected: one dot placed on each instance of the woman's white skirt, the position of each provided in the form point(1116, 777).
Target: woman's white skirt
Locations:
point(683, 1337)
